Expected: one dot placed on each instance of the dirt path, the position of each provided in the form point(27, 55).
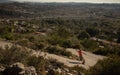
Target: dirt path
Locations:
point(90, 59)
point(105, 41)
point(4, 44)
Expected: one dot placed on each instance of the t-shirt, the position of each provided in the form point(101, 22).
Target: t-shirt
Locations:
point(80, 52)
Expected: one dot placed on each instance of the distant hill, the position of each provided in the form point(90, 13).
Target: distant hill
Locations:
point(64, 10)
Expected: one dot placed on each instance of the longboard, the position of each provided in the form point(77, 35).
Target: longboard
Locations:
point(74, 62)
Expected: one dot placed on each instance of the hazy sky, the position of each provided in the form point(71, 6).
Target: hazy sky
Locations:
point(91, 1)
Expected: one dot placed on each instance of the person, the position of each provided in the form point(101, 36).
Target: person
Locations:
point(81, 56)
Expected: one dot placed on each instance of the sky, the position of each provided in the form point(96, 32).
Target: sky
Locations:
point(88, 1)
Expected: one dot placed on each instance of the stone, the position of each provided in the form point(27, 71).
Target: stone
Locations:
point(19, 69)
point(14, 69)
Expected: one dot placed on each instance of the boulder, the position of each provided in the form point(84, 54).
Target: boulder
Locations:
point(19, 69)
point(15, 69)
point(30, 71)
point(1, 69)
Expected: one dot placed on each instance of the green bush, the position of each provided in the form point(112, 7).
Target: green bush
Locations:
point(39, 63)
point(67, 44)
point(54, 40)
point(107, 50)
point(109, 66)
point(59, 36)
point(62, 32)
point(11, 55)
point(103, 51)
point(78, 69)
point(26, 43)
point(83, 35)
point(92, 31)
point(58, 51)
point(89, 44)
point(31, 39)
point(40, 45)
point(8, 36)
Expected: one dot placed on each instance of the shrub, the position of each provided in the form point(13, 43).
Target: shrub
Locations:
point(11, 55)
point(67, 44)
point(26, 43)
point(31, 39)
point(89, 44)
point(109, 66)
point(58, 51)
point(83, 35)
point(100, 51)
point(62, 32)
point(54, 40)
point(107, 50)
point(54, 62)
point(78, 69)
point(40, 45)
point(92, 31)
point(8, 36)
point(39, 63)
point(73, 43)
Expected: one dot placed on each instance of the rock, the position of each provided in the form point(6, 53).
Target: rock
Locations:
point(66, 70)
point(51, 72)
point(2, 68)
point(15, 69)
point(59, 70)
point(19, 69)
point(30, 71)
point(69, 74)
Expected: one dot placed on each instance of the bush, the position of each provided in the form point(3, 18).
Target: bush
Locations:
point(100, 51)
point(39, 63)
point(59, 36)
point(62, 32)
point(31, 39)
point(8, 36)
point(6, 32)
point(26, 43)
point(92, 31)
point(58, 51)
point(67, 44)
point(109, 66)
point(40, 45)
point(83, 35)
point(54, 40)
point(89, 44)
point(11, 55)
point(107, 51)
point(78, 69)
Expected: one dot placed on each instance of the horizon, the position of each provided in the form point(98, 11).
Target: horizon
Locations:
point(65, 1)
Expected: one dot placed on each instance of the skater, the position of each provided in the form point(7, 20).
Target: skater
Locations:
point(81, 56)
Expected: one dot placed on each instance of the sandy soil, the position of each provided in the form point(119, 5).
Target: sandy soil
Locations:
point(90, 59)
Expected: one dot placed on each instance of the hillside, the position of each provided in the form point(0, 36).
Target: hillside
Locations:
point(44, 39)
point(62, 10)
